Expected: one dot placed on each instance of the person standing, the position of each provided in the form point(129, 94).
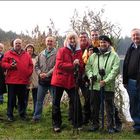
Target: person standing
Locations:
point(33, 83)
point(44, 68)
point(19, 67)
point(96, 45)
point(85, 45)
point(2, 76)
point(131, 77)
point(104, 64)
point(68, 61)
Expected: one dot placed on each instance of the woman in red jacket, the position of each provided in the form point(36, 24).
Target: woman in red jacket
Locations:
point(19, 67)
point(68, 58)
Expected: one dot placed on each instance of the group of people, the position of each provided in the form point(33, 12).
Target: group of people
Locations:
point(88, 64)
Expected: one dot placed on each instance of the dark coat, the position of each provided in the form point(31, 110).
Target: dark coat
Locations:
point(2, 78)
point(126, 63)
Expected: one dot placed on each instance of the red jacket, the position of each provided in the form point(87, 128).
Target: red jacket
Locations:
point(63, 74)
point(23, 70)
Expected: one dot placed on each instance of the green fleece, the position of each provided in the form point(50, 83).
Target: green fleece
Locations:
point(112, 69)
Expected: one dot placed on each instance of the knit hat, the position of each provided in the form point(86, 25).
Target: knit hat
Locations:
point(105, 38)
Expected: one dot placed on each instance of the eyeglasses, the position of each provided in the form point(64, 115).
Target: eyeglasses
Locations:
point(82, 37)
point(49, 40)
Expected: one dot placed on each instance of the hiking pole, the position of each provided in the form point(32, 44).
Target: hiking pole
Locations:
point(93, 80)
point(102, 105)
point(102, 74)
point(76, 76)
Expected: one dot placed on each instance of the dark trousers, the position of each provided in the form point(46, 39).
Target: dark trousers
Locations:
point(86, 107)
point(75, 107)
point(34, 96)
point(134, 96)
point(95, 103)
point(13, 91)
point(117, 119)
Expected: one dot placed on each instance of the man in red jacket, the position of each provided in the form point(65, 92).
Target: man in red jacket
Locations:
point(19, 67)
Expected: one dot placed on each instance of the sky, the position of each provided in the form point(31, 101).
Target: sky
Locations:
point(20, 16)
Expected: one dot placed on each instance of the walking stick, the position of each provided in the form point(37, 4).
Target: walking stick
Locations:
point(93, 80)
point(102, 105)
point(102, 74)
point(76, 117)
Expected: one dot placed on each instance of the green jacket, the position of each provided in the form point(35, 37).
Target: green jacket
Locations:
point(111, 70)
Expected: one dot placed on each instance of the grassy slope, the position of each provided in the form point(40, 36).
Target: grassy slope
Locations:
point(43, 130)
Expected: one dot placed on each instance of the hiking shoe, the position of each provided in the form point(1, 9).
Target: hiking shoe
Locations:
point(23, 118)
point(56, 129)
point(118, 128)
point(35, 120)
point(10, 119)
point(111, 131)
point(80, 128)
point(93, 129)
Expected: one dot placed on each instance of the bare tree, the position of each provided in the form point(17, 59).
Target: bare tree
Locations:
point(52, 31)
point(94, 20)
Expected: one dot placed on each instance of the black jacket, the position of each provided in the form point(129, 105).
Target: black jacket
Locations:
point(126, 63)
point(2, 78)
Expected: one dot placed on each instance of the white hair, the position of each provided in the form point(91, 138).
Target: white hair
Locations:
point(71, 34)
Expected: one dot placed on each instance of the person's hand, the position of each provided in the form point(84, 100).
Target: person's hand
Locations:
point(43, 75)
point(90, 80)
point(13, 65)
point(76, 62)
point(102, 83)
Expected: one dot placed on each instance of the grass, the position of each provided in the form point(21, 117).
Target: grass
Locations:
point(43, 130)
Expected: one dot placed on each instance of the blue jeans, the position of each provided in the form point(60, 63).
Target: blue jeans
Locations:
point(1, 98)
point(134, 96)
point(41, 92)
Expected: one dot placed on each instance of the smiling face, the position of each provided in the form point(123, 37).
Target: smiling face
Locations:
point(94, 35)
point(72, 41)
point(104, 44)
point(135, 36)
point(17, 44)
point(30, 50)
point(83, 38)
point(50, 42)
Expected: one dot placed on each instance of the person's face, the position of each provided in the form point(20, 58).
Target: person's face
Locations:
point(50, 43)
point(17, 44)
point(135, 36)
point(1, 48)
point(90, 52)
point(83, 39)
point(72, 41)
point(94, 35)
point(30, 50)
point(104, 44)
